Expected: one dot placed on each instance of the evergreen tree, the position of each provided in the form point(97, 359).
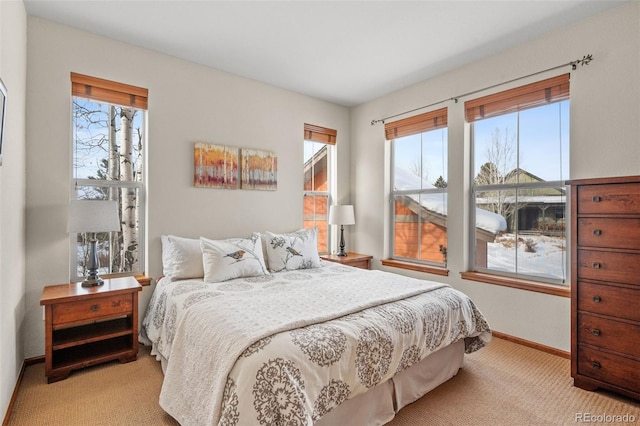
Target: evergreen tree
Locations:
point(440, 183)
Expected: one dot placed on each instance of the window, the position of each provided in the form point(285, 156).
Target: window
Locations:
point(419, 188)
point(520, 160)
point(318, 152)
point(109, 138)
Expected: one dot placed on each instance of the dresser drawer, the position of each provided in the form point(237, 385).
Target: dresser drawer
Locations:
point(613, 369)
point(609, 266)
point(608, 300)
point(92, 308)
point(613, 233)
point(611, 198)
point(613, 335)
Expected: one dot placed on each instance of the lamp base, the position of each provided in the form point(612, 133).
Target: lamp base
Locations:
point(92, 278)
point(342, 252)
point(92, 282)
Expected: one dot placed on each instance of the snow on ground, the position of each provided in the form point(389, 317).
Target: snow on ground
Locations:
point(549, 256)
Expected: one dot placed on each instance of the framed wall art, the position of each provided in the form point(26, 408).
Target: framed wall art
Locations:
point(259, 170)
point(215, 166)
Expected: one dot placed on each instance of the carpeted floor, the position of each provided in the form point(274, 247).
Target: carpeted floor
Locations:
point(503, 384)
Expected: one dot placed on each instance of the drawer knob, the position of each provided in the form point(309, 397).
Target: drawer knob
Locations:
point(94, 308)
point(595, 364)
point(596, 265)
point(597, 299)
point(595, 332)
point(597, 232)
point(596, 199)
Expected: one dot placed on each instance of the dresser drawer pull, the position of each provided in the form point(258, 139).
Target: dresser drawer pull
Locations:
point(596, 265)
point(595, 364)
point(597, 299)
point(596, 199)
point(595, 332)
point(597, 232)
point(94, 308)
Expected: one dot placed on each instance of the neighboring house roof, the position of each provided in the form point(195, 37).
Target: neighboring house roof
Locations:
point(435, 205)
point(521, 175)
point(316, 163)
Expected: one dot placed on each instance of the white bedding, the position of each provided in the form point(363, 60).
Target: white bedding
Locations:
point(286, 348)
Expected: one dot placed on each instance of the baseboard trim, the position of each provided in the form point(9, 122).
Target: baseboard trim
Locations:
point(531, 344)
point(27, 362)
point(34, 360)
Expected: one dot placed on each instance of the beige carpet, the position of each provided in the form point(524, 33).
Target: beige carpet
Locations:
point(503, 384)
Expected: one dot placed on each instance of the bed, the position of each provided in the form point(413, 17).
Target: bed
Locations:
point(275, 337)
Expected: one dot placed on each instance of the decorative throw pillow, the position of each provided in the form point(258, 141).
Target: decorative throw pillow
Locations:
point(233, 258)
point(297, 250)
point(181, 257)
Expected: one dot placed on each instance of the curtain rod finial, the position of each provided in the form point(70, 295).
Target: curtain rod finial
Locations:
point(586, 59)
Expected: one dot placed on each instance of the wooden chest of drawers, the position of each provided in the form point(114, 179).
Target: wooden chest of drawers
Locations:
point(605, 284)
point(89, 325)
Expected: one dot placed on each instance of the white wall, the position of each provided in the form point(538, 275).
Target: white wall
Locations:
point(605, 133)
point(13, 63)
point(187, 103)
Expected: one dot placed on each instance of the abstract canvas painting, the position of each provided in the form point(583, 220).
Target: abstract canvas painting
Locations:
point(259, 170)
point(215, 166)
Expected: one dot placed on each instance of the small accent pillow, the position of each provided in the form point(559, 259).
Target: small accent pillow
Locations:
point(181, 257)
point(233, 258)
point(297, 250)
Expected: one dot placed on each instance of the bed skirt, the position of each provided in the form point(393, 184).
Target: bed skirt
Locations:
point(380, 404)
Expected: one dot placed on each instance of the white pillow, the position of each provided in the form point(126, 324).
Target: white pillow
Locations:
point(232, 258)
point(297, 250)
point(181, 257)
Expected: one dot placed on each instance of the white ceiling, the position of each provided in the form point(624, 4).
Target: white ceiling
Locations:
point(346, 52)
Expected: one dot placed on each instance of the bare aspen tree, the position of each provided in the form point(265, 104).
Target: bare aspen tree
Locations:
point(128, 194)
point(113, 173)
point(500, 160)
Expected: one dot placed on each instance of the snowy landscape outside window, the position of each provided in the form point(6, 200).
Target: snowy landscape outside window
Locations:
point(419, 188)
point(108, 145)
point(520, 161)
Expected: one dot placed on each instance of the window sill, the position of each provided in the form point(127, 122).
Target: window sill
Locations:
point(142, 279)
point(521, 284)
point(415, 267)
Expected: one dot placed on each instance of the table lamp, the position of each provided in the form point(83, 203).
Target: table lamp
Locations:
point(93, 216)
point(341, 215)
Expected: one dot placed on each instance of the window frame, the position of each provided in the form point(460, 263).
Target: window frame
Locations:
point(328, 138)
point(122, 95)
point(544, 92)
point(435, 120)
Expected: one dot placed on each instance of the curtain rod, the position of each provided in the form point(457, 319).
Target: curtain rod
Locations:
point(574, 64)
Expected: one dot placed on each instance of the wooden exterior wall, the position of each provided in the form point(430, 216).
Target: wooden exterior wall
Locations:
point(316, 209)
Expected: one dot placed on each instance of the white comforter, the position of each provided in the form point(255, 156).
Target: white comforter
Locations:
point(288, 347)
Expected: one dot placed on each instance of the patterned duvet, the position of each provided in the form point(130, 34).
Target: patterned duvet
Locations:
point(286, 348)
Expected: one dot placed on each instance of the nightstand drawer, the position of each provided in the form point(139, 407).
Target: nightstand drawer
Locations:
point(92, 309)
point(612, 335)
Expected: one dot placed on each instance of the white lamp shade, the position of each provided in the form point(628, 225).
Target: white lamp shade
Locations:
point(341, 215)
point(93, 216)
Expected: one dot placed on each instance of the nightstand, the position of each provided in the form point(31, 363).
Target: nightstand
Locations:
point(89, 325)
point(361, 261)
